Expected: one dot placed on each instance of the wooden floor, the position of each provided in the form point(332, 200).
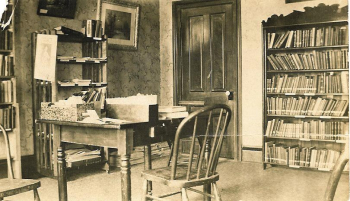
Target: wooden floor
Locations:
point(238, 181)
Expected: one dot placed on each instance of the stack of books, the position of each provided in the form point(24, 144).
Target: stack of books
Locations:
point(172, 112)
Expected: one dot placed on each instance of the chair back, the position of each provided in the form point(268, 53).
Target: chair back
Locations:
point(8, 152)
point(208, 124)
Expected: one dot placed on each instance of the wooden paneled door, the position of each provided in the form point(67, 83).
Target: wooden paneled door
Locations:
point(206, 58)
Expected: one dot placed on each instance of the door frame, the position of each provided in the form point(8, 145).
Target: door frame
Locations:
point(176, 7)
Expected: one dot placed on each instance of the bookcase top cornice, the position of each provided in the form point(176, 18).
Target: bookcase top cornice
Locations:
point(310, 15)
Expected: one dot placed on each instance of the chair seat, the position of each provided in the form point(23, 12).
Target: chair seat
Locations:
point(163, 175)
point(9, 187)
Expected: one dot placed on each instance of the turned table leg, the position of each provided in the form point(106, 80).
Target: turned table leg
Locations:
point(148, 165)
point(62, 178)
point(125, 177)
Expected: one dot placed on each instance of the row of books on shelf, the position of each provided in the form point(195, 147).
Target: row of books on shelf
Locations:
point(310, 37)
point(316, 83)
point(295, 156)
point(93, 49)
point(93, 94)
point(314, 129)
point(93, 28)
point(6, 91)
point(6, 39)
point(94, 72)
point(328, 59)
point(306, 106)
point(6, 65)
point(6, 117)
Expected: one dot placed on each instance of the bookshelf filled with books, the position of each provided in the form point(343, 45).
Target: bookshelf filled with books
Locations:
point(9, 109)
point(306, 88)
point(80, 70)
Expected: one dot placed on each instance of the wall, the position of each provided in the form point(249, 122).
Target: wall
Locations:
point(27, 22)
point(129, 72)
point(253, 13)
point(132, 72)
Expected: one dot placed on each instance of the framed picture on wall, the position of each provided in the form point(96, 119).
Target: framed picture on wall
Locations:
point(57, 8)
point(295, 1)
point(120, 24)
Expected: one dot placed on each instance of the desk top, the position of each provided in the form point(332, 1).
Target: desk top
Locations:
point(93, 125)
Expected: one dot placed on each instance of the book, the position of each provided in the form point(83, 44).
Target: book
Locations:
point(167, 109)
point(67, 31)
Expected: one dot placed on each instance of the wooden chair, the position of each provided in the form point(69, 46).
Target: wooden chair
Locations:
point(11, 186)
point(206, 125)
point(336, 173)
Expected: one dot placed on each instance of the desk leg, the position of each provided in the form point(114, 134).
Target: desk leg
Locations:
point(126, 177)
point(62, 178)
point(148, 165)
point(207, 188)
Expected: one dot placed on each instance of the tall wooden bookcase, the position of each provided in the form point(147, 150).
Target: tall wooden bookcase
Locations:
point(9, 111)
point(306, 88)
point(79, 57)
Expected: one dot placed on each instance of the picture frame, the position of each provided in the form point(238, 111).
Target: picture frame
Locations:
point(120, 22)
point(57, 8)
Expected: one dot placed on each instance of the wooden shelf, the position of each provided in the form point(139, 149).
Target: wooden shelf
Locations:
point(306, 71)
point(77, 39)
point(306, 48)
point(84, 161)
point(89, 85)
point(6, 51)
point(7, 77)
point(75, 61)
point(307, 117)
point(308, 94)
point(300, 167)
point(8, 103)
point(304, 139)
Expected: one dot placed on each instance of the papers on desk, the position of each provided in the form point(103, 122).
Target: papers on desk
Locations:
point(139, 99)
point(73, 154)
point(172, 112)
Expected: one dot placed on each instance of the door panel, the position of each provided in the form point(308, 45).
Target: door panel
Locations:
point(206, 57)
point(218, 59)
point(196, 48)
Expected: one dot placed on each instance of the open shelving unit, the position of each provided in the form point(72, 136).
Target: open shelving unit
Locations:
point(9, 110)
point(78, 58)
point(306, 88)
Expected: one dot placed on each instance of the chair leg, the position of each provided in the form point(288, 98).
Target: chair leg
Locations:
point(171, 146)
point(36, 195)
point(207, 189)
point(184, 194)
point(216, 192)
point(144, 190)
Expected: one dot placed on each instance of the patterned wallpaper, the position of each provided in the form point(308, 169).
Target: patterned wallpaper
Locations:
point(166, 53)
point(132, 72)
point(129, 72)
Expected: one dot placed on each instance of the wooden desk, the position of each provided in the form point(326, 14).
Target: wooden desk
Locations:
point(121, 136)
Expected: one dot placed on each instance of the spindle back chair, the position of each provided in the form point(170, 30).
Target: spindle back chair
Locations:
point(207, 125)
point(11, 186)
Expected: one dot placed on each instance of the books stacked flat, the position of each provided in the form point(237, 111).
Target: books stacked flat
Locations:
point(172, 112)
